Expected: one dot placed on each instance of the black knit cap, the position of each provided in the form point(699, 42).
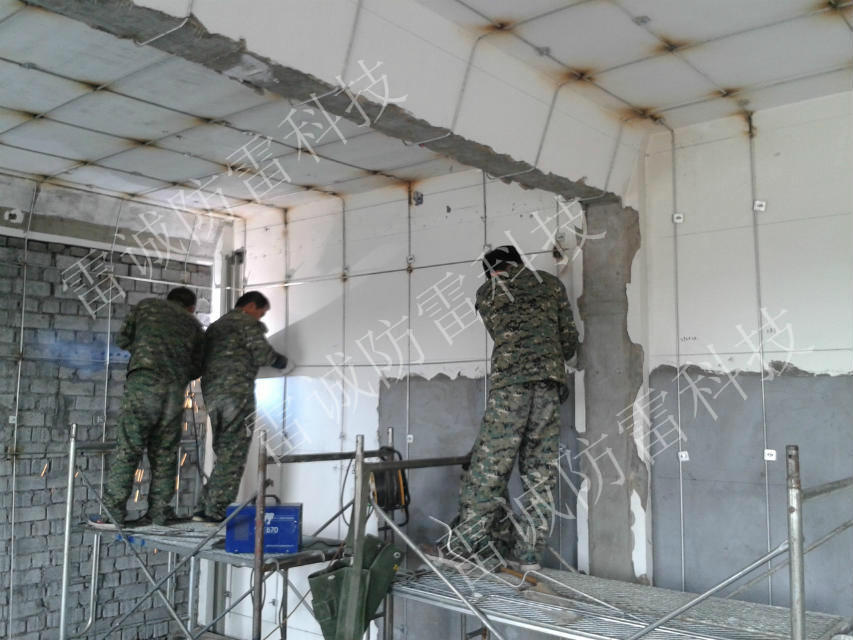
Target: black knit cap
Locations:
point(500, 258)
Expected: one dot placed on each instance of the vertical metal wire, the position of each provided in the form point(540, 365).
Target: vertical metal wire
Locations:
point(344, 270)
point(760, 312)
point(410, 261)
point(486, 366)
point(14, 450)
point(676, 297)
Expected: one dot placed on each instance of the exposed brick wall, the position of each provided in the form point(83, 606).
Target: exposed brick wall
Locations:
point(64, 380)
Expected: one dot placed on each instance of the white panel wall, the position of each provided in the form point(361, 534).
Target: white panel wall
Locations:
point(381, 322)
point(803, 163)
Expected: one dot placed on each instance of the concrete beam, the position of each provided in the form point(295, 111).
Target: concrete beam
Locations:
point(471, 101)
point(613, 373)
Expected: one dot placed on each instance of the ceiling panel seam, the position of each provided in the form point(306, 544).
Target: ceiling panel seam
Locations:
point(699, 43)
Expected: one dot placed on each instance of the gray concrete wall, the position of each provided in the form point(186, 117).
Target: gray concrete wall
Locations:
point(613, 367)
point(725, 518)
point(63, 380)
point(444, 418)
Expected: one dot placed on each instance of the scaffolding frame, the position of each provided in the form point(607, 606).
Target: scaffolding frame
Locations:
point(361, 505)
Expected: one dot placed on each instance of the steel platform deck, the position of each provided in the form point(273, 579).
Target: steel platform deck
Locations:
point(566, 614)
point(182, 539)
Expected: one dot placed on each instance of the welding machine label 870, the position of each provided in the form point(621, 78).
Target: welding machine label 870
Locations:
point(282, 529)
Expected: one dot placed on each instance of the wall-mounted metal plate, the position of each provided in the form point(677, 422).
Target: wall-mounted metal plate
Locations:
point(410, 438)
point(683, 456)
point(759, 206)
point(770, 455)
point(678, 218)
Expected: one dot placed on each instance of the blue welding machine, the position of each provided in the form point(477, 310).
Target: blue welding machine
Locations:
point(282, 529)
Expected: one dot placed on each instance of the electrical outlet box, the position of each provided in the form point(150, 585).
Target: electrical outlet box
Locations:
point(15, 216)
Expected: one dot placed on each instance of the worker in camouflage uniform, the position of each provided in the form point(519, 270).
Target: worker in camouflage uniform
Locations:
point(166, 345)
point(235, 347)
point(527, 314)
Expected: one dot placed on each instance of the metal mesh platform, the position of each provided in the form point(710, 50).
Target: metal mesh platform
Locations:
point(184, 538)
point(566, 614)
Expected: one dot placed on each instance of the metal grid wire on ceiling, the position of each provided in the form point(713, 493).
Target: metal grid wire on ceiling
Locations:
point(683, 62)
point(83, 107)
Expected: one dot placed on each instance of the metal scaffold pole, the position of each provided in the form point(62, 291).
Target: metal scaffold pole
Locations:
point(66, 545)
point(795, 544)
point(259, 537)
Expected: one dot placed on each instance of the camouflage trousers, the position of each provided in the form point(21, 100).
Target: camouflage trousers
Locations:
point(230, 422)
point(521, 420)
point(150, 419)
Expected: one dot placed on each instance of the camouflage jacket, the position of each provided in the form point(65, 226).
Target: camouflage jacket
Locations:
point(234, 349)
point(164, 337)
point(527, 314)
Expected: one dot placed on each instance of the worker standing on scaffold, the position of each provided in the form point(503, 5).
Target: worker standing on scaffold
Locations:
point(527, 314)
point(166, 345)
point(235, 348)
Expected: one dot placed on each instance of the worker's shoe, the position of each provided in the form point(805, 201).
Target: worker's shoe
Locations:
point(201, 516)
point(167, 518)
point(99, 521)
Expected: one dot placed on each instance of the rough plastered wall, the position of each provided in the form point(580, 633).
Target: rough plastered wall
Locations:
point(734, 290)
point(403, 312)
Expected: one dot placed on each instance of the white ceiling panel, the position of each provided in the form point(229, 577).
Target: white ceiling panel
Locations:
point(510, 11)
point(161, 164)
point(297, 198)
point(288, 124)
point(701, 112)
point(657, 82)
point(186, 197)
point(64, 140)
point(9, 119)
point(29, 162)
point(110, 180)
point(252, 188)
point(360, 185)
point(785, 50)
point(71, 48)
point(797, 90)
point(221, 144)
point(431, 168)
point(125, 117)
point(594, 35)
point(8, 7)
point(690, 22)
point(306, 170)
point(34, 91)
point(377, 152)
point(185, 86)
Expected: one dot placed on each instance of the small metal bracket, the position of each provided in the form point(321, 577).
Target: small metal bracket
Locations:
point(417, 198)
point(759, 205)
point(13, 419)
point(770, 455)
point(678, 218)
point(99, 419)
point(683, 456)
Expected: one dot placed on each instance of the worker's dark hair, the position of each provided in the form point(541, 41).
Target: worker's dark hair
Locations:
point(500, 258)
point(182, 296)
point(257, 297)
